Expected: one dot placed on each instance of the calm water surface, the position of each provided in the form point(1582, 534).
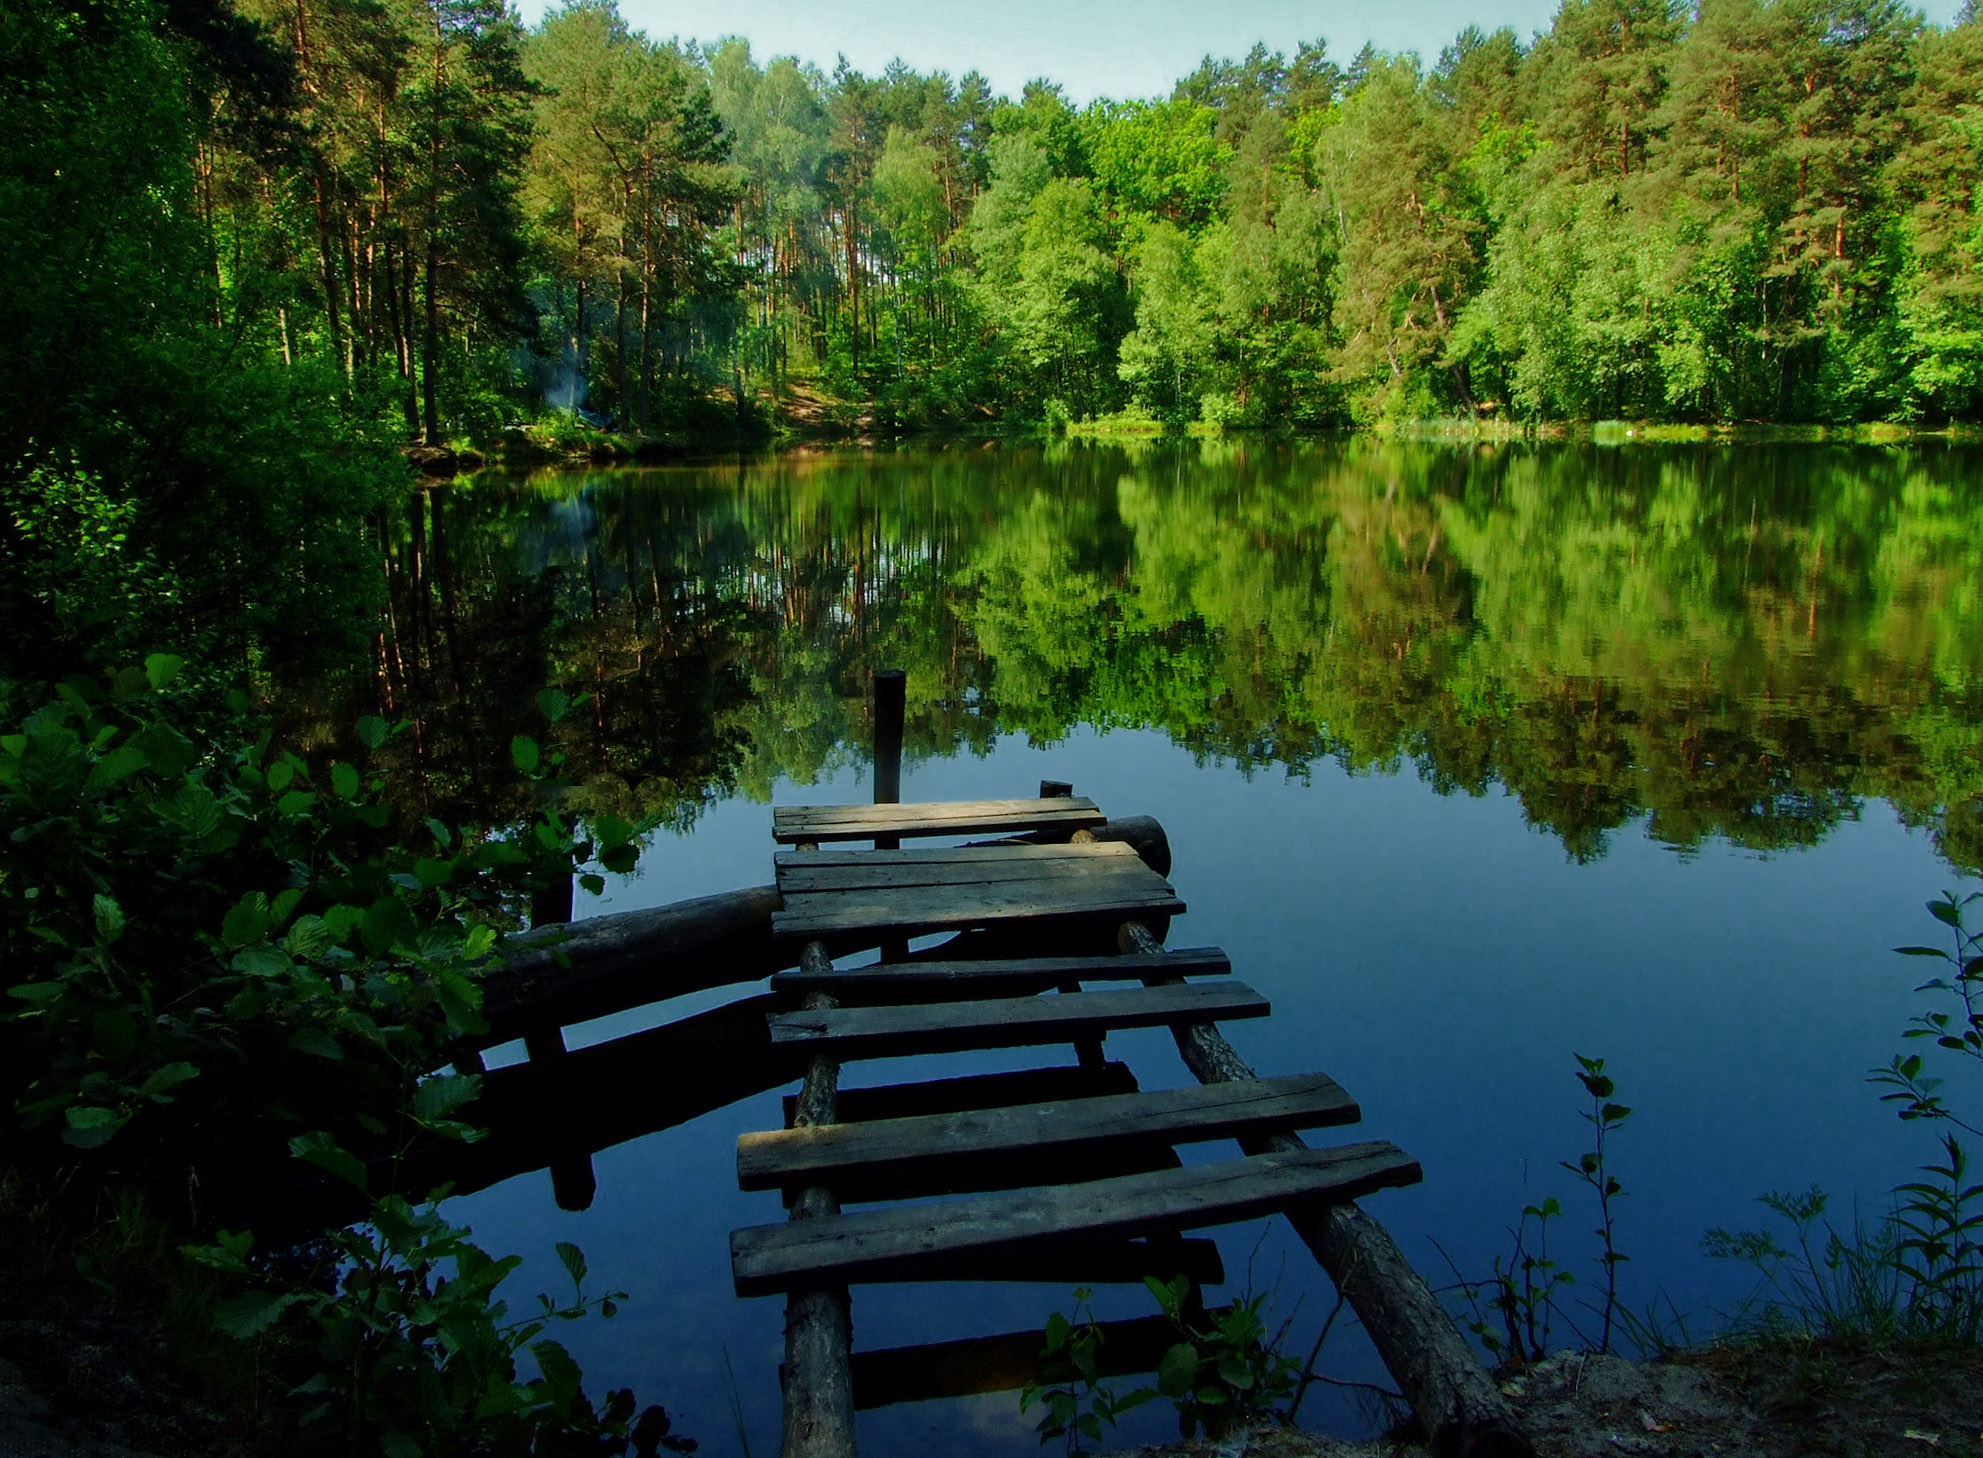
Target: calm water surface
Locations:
point(1474, 759)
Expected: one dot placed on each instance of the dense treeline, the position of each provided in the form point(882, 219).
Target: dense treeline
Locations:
point(1742, 643)
point(243, 241)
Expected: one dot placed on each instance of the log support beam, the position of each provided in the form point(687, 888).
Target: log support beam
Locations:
point(1458, 1404)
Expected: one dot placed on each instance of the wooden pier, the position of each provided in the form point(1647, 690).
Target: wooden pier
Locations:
point(1052, 935)
point(1071, 1169)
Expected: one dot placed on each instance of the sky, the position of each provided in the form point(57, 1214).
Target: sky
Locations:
point(1114, 48)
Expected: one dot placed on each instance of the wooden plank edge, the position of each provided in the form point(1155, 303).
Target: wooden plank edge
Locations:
point(768, 1259)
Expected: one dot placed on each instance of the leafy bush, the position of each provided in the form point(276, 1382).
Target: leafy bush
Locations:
point(1222, 1373)
point(223, 955)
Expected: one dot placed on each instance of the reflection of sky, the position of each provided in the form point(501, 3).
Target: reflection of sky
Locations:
point(561, 535)
point(1440, 959)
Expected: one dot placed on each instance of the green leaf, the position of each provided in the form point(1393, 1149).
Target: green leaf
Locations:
point(252, 1312)
point(620, 859)
point(91, 1125)
point(561, 1373)
point(592, 884)
point(166, 750)
point(317, 1043)
point(573, 1260)
point(553, 704)
point(1058, 1328)
point(1178, 1371)
point(262, 961)
point(345, 781)
point(1946, 911)
point(247, 922)
point(442, 1096)
point(1924, 952)
point(373, 731)
point(120, 763)
point(162, 669)
point(109, 917)
point(164, 1079)
point(524, 754)
point(327, 1154)
point(309, 936)
point(193, 811)
point(388, 924)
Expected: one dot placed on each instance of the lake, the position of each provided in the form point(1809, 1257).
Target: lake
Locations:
point(1475, 758)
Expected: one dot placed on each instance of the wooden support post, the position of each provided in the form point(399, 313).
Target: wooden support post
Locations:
point(573, 1181)
point(1088, 1050)
point(891, 690)
point(819, 1323)
point(1462, 1411)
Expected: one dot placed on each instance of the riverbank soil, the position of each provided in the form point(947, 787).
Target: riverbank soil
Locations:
point(1775, 1399)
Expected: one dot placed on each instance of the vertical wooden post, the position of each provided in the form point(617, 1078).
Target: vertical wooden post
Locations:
point(1463, 1413)
point(819, 1322)
point(573, 1181)
point(891, 686)
point(891, 689)
point(1088, 1050)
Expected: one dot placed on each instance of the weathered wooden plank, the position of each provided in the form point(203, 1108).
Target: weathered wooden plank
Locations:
point(1110, 1261)
point(889, 870)
point(823, 823)
point(996, 853)
point(934, 981)
point(891, 1243)
point(938, 1143)
point(979, 1091)
point(1008, 1022)
point(1006, 1170)
point(1137, 894)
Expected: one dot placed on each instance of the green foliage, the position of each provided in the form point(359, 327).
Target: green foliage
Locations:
point(1526, 1291)
point(1594, 1169)
point(1957, 1029)
point(177, 911)
point(1223, 1373)
point(225, 952)
point(1522, 1293)
point(405, 1348)
point(1918, 1274)
point(1076, 1406)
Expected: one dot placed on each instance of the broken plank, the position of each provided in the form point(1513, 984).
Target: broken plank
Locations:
point(822, 823)
point(919, 981)
point(939, 1143)
point(1008, 1022)
point(892, 1243)
point(1138, 895)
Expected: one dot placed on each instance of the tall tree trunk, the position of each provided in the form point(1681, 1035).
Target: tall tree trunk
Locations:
point(431, 347)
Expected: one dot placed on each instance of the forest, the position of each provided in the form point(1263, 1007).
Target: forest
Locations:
point(242, 240)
